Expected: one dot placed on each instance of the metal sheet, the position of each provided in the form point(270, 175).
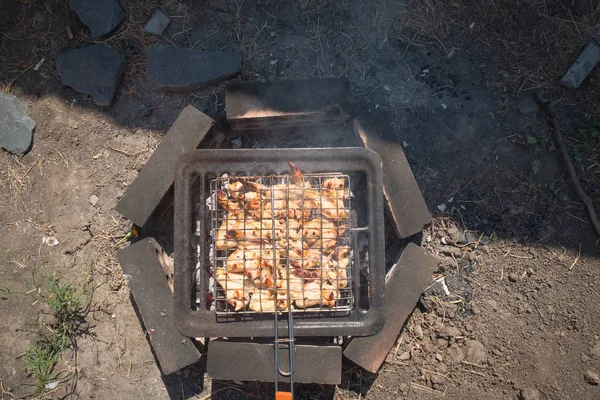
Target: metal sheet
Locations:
point(252, 361)
point(153, 298)
point(404, 285)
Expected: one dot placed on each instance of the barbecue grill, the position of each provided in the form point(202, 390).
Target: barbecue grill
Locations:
point(201, 307)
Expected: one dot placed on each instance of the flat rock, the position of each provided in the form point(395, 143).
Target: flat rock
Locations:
point(16, 127)
point(101, 16)
point(157, 23)
point(176, 69)
point(95, 70)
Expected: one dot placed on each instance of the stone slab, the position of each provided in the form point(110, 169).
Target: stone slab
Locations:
point(177, 69)
point(253, 361)
point(285, 104)
point(154, 302)
point(581, 68)
point(404, 284)
point(101, 16)
point(402, 194)
point(157, 176)
point(95, 70)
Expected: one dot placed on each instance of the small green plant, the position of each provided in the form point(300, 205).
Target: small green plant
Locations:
point(56, 336)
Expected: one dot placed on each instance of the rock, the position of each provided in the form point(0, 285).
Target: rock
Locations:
point(475, 352)
point(404, 356)
point(94, 200)
point(584, 358)
point(418, 332)
point(236, 143)
point(145, 111)
point(452, 331)
point(176, 69)
point(437, 380)
point(513, 277)
point(16, 127)
point(527, 107)
point(439, 357)
point(403, 387)
point(596, 350)
point(157, 23)
point(581, 68)
point(591, 377)
point(455, 354)
point(101, 16)
point(529, 394)
point(95, 70)
point(441, 368)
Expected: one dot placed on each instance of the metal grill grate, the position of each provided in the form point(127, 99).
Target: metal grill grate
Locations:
point(280, 239)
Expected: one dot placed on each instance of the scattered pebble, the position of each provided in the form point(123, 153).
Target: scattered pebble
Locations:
point(50, 241)
point(452, 331)
point(94, 200)
point(455, 354)
point(513, 277)
point(529, 394)
point(404, 356)
point(439, 357)
point(591, 377)
point(403, 387)
point(236, 142)
point(437, 380)
point(442, 207)
point(419, 331)
point(584, 358)
point(387, 88)
point(475, 352)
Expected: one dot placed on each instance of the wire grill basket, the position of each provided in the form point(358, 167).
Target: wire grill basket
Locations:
point(275, 242)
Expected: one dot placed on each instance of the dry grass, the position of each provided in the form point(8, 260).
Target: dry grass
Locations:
point(527, 45)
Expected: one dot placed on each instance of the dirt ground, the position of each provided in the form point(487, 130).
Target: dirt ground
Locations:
point(517, 252)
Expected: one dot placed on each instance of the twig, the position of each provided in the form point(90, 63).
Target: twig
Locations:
point(576, 258)
point(557, 137)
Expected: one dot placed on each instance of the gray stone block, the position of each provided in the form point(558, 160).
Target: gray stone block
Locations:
point(154, 302)
point(157, 176)
point(402, 194)
point(176, 69)
point(157, 23)
point(16, 127)
point(101, 16)
point(252, 361)
point(403, 287)
point(581, 68)
point(95, 70)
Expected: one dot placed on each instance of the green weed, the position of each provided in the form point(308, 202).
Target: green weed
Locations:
point(57, 336)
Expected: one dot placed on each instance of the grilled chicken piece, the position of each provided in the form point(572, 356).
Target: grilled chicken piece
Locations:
point(264, 301)
point(237, 288)
point(254, 264)
point(315, 294)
